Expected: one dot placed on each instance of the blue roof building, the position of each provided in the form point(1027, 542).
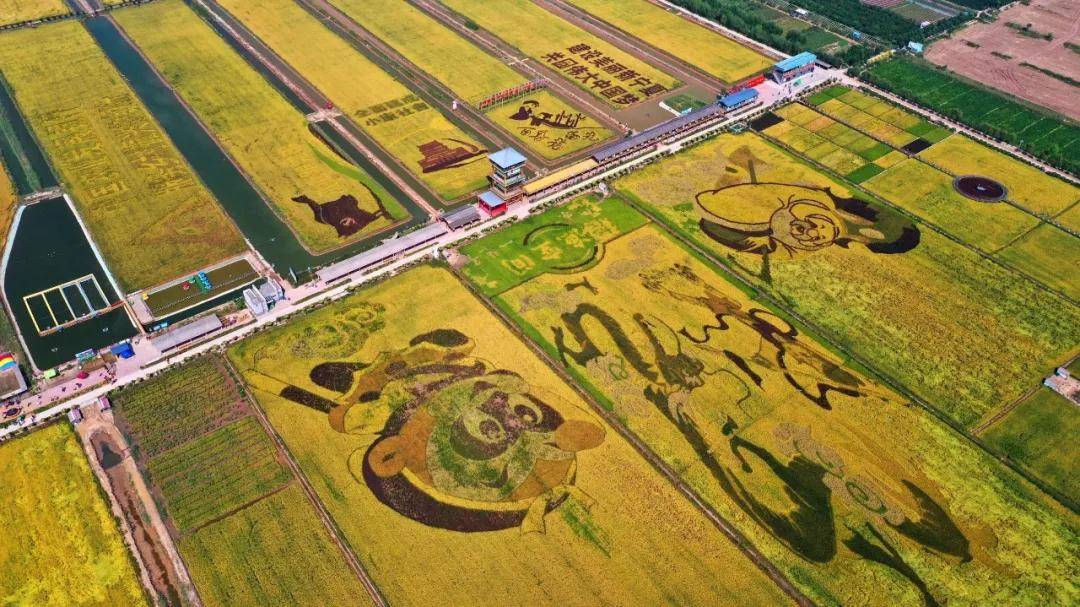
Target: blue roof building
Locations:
point(793, 67)
point(738, 99)
point(507, 158)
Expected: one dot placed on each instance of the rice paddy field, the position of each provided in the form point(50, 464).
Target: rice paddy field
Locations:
point(1042, 133)
point(856, 496)
point(146, 209)
point(439, 153)
point(714, 53)
point(246, 530)
point(1039, 435)
point(61, 544)
point(918, 177)
point(957, 330)
point(16, 11)
point(8, 204)
point(474, 75)
point(447, 452)
point(288, 163)
point(596, 66)
point(271, 553)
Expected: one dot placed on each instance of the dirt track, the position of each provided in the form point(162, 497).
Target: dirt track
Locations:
point(1058, 17)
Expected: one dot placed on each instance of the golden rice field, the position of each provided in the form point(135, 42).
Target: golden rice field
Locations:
point(143, 204)
point(273, 552)
point(473, 75)
point(858, 497)
point(8, 203)
point(928, 192)
point(955, 329)
point(60, 543)
point(426, 142)
point(714, 53)
point(1047, 253)
point(286, 161)
point(448, 453)
point(582, 58)
point(16, 11)
point(1028, 186)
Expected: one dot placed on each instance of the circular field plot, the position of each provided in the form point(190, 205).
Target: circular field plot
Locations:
point(977, 187)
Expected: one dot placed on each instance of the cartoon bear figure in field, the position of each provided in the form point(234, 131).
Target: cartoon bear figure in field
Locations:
point(462, 444)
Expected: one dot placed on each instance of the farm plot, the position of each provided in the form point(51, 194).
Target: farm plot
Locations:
point(714, 53)
point(260, 129)
point(8, 204)
point(181, 405)
point(446, 451)
point(1043, 134)
point(17, 11)
point(857, 497)
point(929, 193)
point(426, 142)
point(957, 330)
point(833, 144)
point(1049, 254)
point(61, 545)
point(587, 61)
point(543, 121)
point(877, 117)
point(1028, 186)
point(1039, 434)
point(143, 204)
point(270, 553)
point(228, 496)
point(218, 472)
point(1000, 54)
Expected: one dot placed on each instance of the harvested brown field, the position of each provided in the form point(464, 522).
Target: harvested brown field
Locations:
point(993, 53)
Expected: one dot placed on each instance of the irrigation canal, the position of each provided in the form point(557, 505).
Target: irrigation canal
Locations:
point(19, 151)
point(258, 222)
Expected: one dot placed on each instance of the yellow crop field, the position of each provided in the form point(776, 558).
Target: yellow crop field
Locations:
point(425, 141)
point(273, 552)
point(963, 333)
point(548, 125)
point(8, 204)
point(929, 193)
point(59, 544)
point(597, 67)
point(1049, 254)
point(1028, 186)
point(859, 497)
point(145, 207)
point(449, 454)
point(15, 11)
point(543, 121)
point(266, 136)
point(712, 52)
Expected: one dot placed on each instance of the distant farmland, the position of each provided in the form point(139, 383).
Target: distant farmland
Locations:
point(1042, 134)
point(143, 204)
point(61, 543)
point(15, 11)
point(247, 532)
point(287, 162)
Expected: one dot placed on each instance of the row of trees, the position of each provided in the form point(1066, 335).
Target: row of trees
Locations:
point(744, 17)
point(879, 22)
point(918, 83)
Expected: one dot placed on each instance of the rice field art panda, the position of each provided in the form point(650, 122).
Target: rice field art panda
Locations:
point(461, 444)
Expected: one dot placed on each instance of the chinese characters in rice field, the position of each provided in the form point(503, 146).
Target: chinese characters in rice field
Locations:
point(614, 81)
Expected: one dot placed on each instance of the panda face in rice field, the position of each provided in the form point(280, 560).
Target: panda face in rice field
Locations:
point(462, 444)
